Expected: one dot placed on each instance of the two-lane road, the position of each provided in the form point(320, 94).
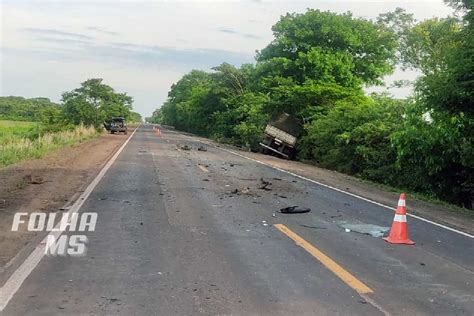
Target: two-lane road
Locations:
point(190, 232)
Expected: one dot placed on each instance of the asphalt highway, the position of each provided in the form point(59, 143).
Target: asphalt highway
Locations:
point(184, 232)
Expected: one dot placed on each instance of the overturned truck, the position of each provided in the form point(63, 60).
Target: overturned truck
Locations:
point(281, 135)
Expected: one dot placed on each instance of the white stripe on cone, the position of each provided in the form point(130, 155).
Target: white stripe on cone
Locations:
point(401, 202)
point(400, 218)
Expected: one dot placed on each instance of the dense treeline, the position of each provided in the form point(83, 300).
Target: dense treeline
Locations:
point(316, 68)
point(21, 109)
point(90, 105)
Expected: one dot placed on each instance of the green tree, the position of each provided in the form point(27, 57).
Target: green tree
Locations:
point(354, 137)
point(135, 117)
point(331, 47)
point(439, 150)
point(93, 103)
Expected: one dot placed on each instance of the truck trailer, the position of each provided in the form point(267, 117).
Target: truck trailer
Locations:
point(281, 136)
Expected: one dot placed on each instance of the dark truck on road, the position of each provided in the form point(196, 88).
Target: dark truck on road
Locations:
point(281, 135)
point(116, 125)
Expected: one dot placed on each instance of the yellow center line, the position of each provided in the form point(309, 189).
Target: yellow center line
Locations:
point(203, 168)
point(345, 276)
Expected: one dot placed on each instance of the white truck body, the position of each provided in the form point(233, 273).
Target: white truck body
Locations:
point(280, 135)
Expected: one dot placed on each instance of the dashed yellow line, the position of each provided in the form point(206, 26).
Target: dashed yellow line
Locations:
point(202, 168)
point(345, 276)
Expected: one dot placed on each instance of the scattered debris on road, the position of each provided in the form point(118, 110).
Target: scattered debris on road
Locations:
point(245, 191)
point(182, 147)
point(295, 210)
point(265, 185)
point(202, 148)
point(111, 299)
point(366, 229)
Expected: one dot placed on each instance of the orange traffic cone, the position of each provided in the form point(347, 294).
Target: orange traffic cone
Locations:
point(399, 231)
point(158, 132)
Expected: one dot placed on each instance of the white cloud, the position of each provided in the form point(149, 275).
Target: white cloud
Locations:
point(50, 47)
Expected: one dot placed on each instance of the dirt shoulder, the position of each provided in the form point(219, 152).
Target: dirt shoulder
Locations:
point(450, 216)
point(46, 185)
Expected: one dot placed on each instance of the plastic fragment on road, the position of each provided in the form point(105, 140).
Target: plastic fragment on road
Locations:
point(295, 210)
point(367, 229)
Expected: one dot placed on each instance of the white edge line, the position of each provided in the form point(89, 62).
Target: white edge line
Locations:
point(345, 192)
point(15, 281)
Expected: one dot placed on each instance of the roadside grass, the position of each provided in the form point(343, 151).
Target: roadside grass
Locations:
point(422, 197)
point(17, 128)
point(24, 140)
point(418, 195)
